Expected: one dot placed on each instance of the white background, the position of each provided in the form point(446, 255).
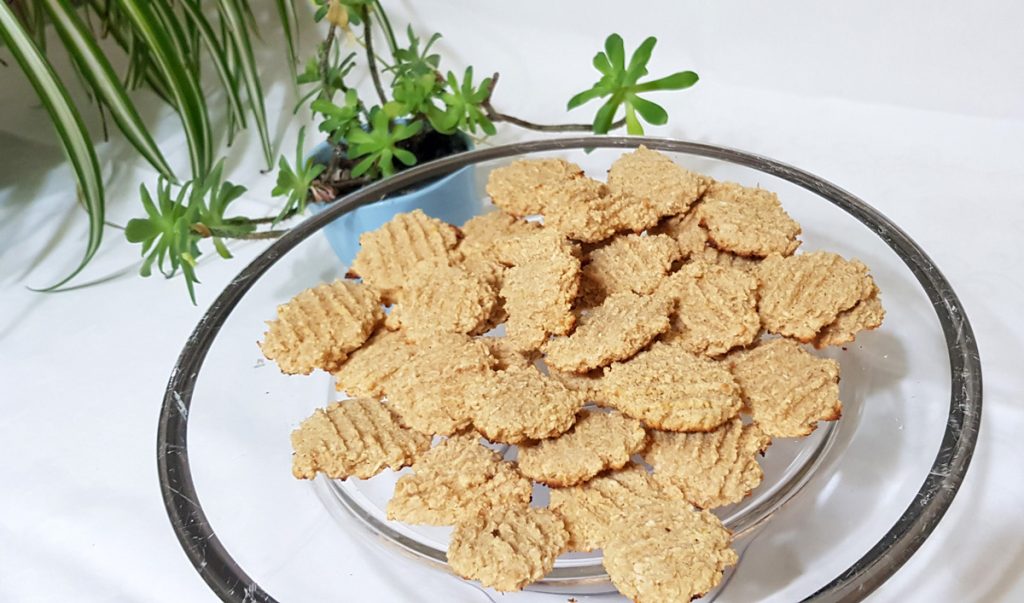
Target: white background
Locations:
point(917, 107)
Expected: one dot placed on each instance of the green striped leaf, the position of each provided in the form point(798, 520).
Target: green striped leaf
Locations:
point(181, 82)
point(286, 12)
point(96, 70)
point(218, 55)
point(74, 137)
point(231, 12)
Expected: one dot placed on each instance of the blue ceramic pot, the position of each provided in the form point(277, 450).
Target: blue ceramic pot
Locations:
point(452, 198)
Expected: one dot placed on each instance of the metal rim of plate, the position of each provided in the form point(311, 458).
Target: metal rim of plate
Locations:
point(230, 582)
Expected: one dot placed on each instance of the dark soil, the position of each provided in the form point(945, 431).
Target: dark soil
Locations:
point(337, 180)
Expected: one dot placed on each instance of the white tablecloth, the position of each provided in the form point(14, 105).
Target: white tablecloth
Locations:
point(917, 108)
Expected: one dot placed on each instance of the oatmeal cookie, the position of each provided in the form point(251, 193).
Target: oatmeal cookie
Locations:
point(429, 391)
point(710, 469)
point(716, 308)
point(787, 389)
point(320, 326)
point(669, 554)
point(803, 293)
point(388, 254)
point(629, 263)
point(528, 186)
point(866, 315)
point(539, 287)
point(506, 549)
point(597, 441)
point(652, 178)
point(669, 388)
point(520, 404)
point(353, 438)
point(367, 369)
point(747, 221)
point(457, 478)
point(615, 330)
point(446, 299)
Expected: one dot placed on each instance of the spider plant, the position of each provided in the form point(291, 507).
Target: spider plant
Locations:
point(163, 42)
point(418, 110)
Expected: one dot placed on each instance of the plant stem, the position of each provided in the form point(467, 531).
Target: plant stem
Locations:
point(325, 64)
point(248, 236)
point(371, 60)
point(386, 27)
point(494, 115)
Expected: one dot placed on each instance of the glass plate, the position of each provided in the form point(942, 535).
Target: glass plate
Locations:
point(838, 514)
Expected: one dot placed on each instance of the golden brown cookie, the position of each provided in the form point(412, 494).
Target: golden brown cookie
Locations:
point(716, 308)
point(482, 233)
point(593, 215)
point(803, 293)
point(669, 388)
point(653, 178)
point(388, 254)
point(320, 326)
point(686, 230)
point(587, 384)
point(520, 404)
point(628, 263)
point(669, 554)
point(597, 441)
point(506, 549)
point(457, 478)
point(367, 369)
point(429, 391)
point(527, 186)
point(787, 389)
point(505, 355)
point(353, 438)
point(615, 330)
point(747, 221)
point(865, 316)
point(710, 469)
point(594, 510)
point(539, 288)
point(446, 299)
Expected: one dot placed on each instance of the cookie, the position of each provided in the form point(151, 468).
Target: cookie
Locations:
point(506, 549)
point(388, 254)
point(527, 186)
point(596, 442)
point(457, 478)
point(801, 294)
point(716, 308)
point(539, 287)
point(747, 221)
point(866, 315)
point(710, 469)
point(587, 384)
point(669, 554)
point(629, 263)
point(594, 510)
point(669, 388)
point(594, 214)
point(482, 233)
point(520, 404)
point(317, 328)
point(505, 355)
point(652, 178)
point(686, 230)
point(446, 299)
point(367, 369)
point(353, 438)
point(615, 330)
point(429, 391)
point(787, 389)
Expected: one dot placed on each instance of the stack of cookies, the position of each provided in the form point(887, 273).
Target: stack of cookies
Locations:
point(655, 332)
